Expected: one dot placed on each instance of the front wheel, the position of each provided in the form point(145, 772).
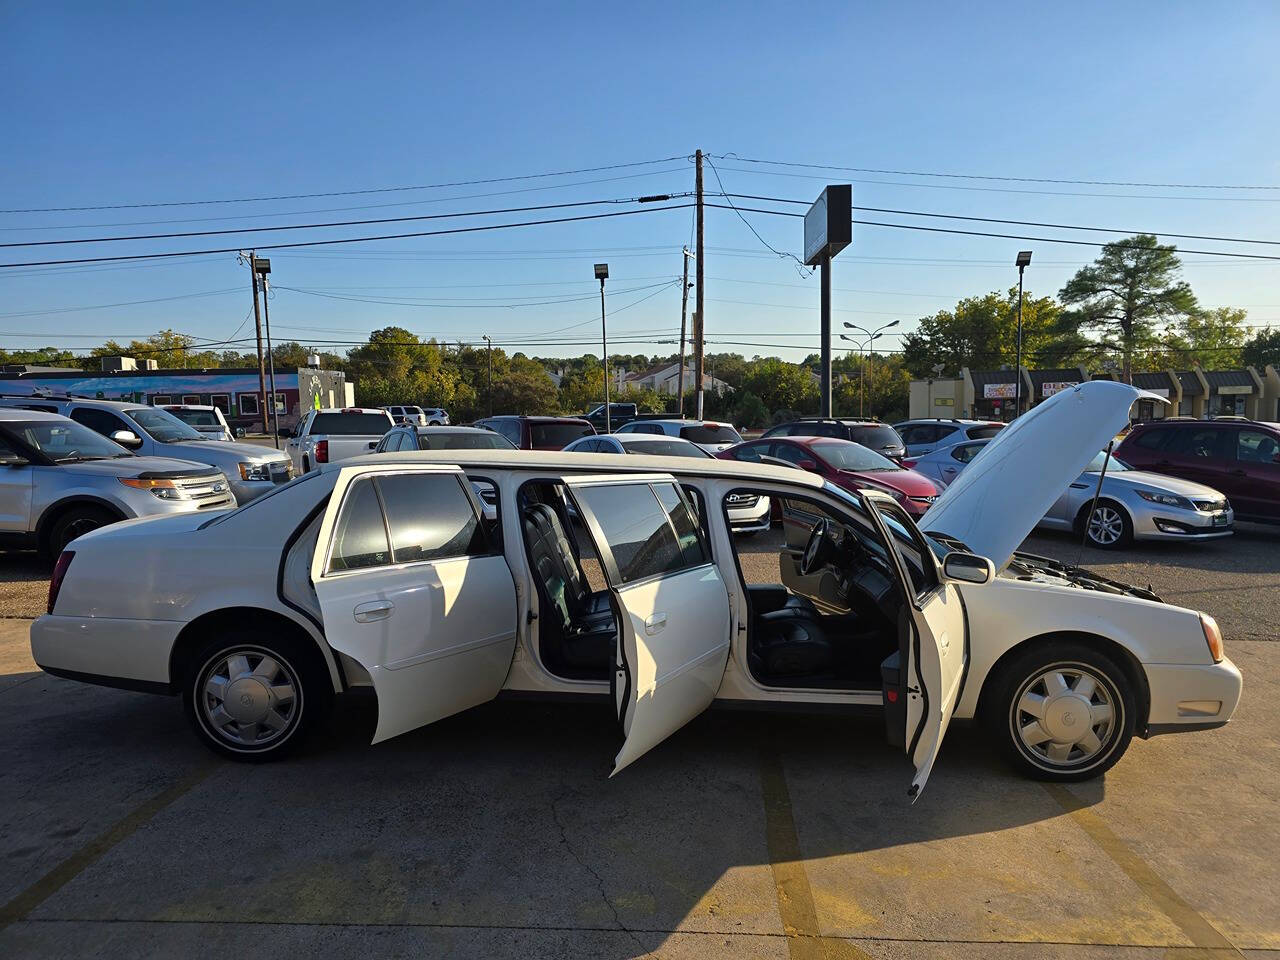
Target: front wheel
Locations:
point(1064, 714)
point(75, 523)
point(253, 695)
point(1109, 526)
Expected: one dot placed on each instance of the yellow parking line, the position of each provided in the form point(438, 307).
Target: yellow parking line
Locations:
point(1199, 930)
point(795, 898)
point(57, 878)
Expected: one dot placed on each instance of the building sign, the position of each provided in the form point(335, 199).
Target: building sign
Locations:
point(1158, 391)
point(1225, 390)
point(1049, 388)
point(943, 402)
point(828, 226)
point(999, 391)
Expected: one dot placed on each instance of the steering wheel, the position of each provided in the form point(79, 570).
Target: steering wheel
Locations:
point(813, 549)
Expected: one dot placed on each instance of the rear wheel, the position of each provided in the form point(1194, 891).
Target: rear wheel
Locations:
point(1065, 713)
point(75, 523)
point(253, 695)
point(1109, 526)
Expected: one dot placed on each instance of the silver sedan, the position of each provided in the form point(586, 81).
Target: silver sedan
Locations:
point(1132, 505)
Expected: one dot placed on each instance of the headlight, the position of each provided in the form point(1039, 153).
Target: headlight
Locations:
point(162, 489)
point(255, 471)
point(1166, 499)
point(1212, 636)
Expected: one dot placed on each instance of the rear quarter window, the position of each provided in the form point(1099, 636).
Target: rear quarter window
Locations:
point(1152, 439)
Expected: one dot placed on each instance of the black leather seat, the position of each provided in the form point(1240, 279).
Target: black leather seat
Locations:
point(578, 632)
point(788, 641)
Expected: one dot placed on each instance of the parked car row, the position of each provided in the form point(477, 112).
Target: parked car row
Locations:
point(388, 572)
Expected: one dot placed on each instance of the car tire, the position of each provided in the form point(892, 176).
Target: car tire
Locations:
point(306, 465)
point(253, 695)
point(1062, 713)
point(74, 523)
point(435, 423)
point(1111, 528)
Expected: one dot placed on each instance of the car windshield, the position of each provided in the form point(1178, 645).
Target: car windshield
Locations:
point(876, 437)
point(66, 441)
point(464, 441)
point(666, 448)
point(1114, 466)
point(844, 455)
point(350, 424)
point(558, 434)
point(197, 418)
point(710, 433)
point(163, 426)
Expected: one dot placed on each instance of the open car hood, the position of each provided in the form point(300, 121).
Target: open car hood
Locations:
point(1013, 481)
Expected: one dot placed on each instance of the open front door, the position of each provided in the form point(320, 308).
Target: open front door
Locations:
point(411, 589)
point(669, 599)
point(934, 640)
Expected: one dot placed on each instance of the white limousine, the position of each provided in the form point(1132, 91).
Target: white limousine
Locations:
point(620, 575)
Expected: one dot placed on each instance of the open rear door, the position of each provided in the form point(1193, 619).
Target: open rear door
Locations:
point(934, 640)
point(411, 589)
point(669, 599)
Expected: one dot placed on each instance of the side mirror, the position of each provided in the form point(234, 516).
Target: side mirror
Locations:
point(241, 433)
point(810, 465)
point(372, 444)
point(968, 568)
point(285, 432)
point(127, 438)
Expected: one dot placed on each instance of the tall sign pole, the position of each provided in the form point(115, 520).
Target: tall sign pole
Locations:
point(699, 322)
point(828, 229)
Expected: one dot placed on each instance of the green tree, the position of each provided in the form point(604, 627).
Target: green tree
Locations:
point(1127, 294)
point(982, 332)
point(1261, 349)
point(781, 385)
point(1212, 338)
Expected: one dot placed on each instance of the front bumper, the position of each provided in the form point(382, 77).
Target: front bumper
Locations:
point(1154, 522)
point(1191, 697)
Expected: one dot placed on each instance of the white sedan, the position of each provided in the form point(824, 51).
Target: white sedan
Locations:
point(381, 572)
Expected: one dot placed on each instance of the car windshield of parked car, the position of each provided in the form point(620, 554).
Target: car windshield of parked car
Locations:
point(349, 424)
point(876, 437)
point(843, 455)
point(667, 448)
point(67, 441)
point(558, 435)
point(1115, 466)
point(162, 426)
point(710, 433)
point(464, 441)
point(197, 418)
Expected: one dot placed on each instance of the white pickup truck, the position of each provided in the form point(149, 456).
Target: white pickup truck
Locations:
point(327, 436)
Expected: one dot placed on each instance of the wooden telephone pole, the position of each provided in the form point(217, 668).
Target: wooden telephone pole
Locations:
point(698, 316)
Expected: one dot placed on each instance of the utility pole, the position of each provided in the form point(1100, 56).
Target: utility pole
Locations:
point(257, 323)
point(699, 321)
point(489, 391)
point(684, 308)
point(263, 267)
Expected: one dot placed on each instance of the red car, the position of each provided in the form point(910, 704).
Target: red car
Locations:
point(1239, 459)
point(844, 463)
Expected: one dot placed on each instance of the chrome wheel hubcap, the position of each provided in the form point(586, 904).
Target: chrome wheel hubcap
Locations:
point(249, 697)
point(1065, 716)
point(1106, 526)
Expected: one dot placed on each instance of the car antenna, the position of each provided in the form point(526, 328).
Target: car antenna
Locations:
point(1097, 492)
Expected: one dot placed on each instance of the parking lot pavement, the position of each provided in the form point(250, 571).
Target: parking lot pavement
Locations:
point(499, 832)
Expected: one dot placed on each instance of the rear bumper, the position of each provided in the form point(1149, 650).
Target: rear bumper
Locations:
point(1191, 697)
point(124, 653)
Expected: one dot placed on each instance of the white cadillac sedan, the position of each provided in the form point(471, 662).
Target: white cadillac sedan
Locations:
point(382, 572)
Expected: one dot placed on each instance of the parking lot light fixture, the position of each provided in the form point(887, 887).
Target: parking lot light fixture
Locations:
point(1022, 262)
point(602, 274)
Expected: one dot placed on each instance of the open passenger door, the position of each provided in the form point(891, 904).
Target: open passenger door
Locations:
point(671, 605)
point(411, 589)
point(934, 640)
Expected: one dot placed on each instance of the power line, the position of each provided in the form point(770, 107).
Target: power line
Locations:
point(337, 223)
point(322, 243)
point(124, 303)
point(419, 302)
point(981, 176)
point(1004, 236)
point(1023, 223)
point(804, 271)
point(343, 193)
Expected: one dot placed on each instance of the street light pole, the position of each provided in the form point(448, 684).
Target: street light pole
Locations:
point(862, 369)
point(489, 390)
point(1024, 259)
point(602, 274)
point(870, 335)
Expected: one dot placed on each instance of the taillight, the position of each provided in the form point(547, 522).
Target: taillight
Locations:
point(322, 451)
point(59, 572)
point(1212, 636)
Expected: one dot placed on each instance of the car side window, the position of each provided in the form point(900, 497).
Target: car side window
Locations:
point(430, 517)
point(101, 421)
point(509, 429)
point(1152, 439)
point(1201, 442)
point(912, 436)
point(751, 453)
point(636, 530)
point(964, 452)
point(683, 521)
point(8, 455)
point(360, 539)
point(790, 453)
point(944, 430)
point(1255, 446)
point(782, 431)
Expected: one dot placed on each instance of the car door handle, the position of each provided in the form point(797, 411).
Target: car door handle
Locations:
point(1239, 473)
point(948, 469)
point(655, 624)
point(1162, 463)
point(373, 610)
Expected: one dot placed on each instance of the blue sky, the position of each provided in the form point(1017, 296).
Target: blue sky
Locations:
point(149, 103)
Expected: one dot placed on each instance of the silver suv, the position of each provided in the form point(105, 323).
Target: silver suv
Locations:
point(149, 431)
point(59, 480)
